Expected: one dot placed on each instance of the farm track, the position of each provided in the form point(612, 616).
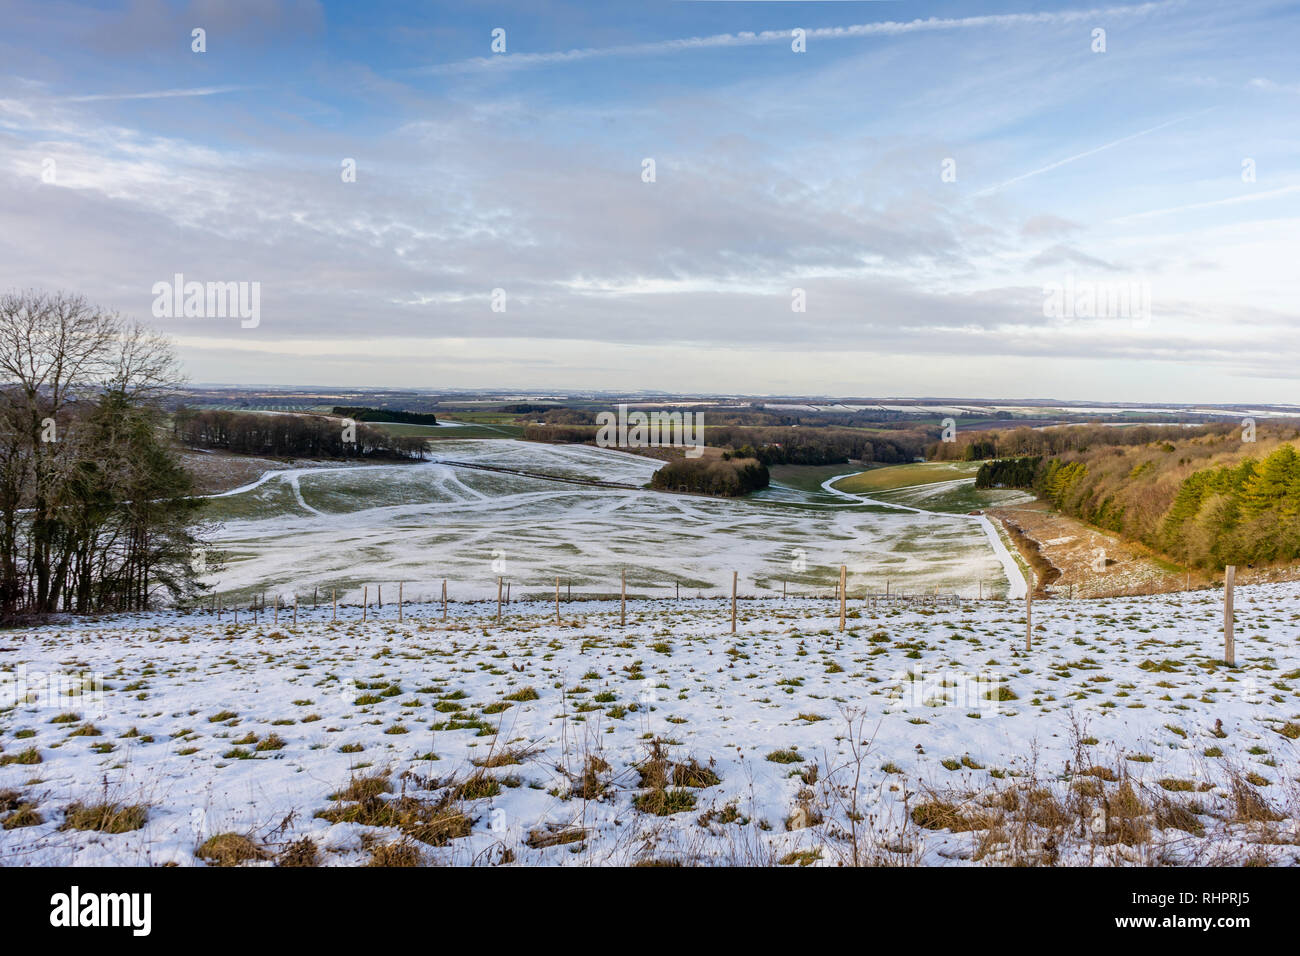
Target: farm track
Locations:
point(448, 517)
point(593, 482)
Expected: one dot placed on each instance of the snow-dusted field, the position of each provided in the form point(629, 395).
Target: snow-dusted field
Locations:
point(1120, 738)
point(343, 528)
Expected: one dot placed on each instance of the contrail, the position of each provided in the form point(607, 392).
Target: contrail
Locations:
point(745, 38)
point(1210, 203)
point(1077, 156)
point(154, 94)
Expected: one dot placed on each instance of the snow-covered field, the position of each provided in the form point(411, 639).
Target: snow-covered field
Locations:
point(919, 735)
point(343, 528)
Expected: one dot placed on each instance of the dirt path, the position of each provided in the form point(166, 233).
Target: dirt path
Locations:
point(1095, 563)
point(1073, 558)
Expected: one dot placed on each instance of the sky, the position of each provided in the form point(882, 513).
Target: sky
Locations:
point(899, 208)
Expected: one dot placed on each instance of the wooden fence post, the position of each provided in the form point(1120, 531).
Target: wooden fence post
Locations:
point(399, 600)
point(844, 580)
point(277, 609)
point(365, 602)
point(218, 607)
point(622, 600)
point(444, 599)
point(557, 600)
point(334, 600)
point(295, 610)
point(1229, 648)
point(314, 589)
point(734, 577)
point(498, 600)
point(380, 589)
point(1029, 619)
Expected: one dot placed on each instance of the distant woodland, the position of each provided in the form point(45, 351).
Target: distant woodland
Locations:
point(778, 445)
point(1019, 442)
point(723, 477)
point(361, 413)
point(289, 436)
point(1206, 501)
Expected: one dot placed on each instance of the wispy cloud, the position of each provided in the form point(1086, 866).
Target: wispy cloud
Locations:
point(1264, 83)
point(746, 38)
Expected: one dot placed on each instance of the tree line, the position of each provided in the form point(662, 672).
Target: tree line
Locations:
point(1060, 439)
point(363, 413)
point(817, 446)
point(1205, 502)
point(723, 477)
point(96, 512)
point(776, 445)
point(1008, 473)
point(290, 436)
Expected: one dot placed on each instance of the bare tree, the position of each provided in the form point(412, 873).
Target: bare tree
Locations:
point(86, 486)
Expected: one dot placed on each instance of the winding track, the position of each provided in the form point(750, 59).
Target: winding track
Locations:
point(694, 516)
point(1017, 586)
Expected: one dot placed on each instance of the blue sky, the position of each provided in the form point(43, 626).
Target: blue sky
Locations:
point(128, 158)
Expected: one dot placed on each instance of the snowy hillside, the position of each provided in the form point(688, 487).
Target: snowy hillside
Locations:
point(1121, 737)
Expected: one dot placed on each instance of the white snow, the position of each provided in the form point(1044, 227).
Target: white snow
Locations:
point(727, 701)
point(341, 527)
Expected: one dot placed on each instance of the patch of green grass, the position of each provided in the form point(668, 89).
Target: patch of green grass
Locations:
point(29, 756)
point(692, 774)
point(908, 475)
point(663, 802)
point(785, 756)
